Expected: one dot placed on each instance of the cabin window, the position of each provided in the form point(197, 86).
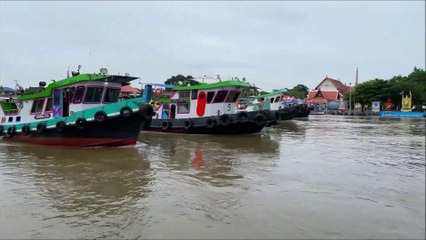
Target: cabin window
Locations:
point(220, 96)
point(272, 100)
point(57, 97)
point(183, 107)
point(232, 96)
point(111, 95)
point(79, 94)
point(48, 107)
point(277, 99)
point(72, 92)
point(210, 96)
point(183, 94)
point(194, 94)
point(9, 107)
point(37, 106)
point(18, 119)
point(10, 119)
point(93, 95)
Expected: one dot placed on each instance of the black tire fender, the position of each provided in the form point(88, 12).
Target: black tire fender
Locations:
point(26, 130)
point(259, 119)
point(100, 116)
point(11, 131)
point(41, 127)
point(225, 119)
point(126, 112)
point(1, 130)
point(210, 122)
point(60, 126)
point(146, 111)
point(242, 117)
point(165, 125)
point(187, 124)
point(80, 122)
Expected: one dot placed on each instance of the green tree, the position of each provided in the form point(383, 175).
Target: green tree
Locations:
point(180, 80)
point(299, 91)
point(380, 90)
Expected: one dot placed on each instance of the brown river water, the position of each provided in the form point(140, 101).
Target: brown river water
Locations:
point(324, 177)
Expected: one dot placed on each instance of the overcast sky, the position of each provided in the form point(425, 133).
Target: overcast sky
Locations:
point(273, 44)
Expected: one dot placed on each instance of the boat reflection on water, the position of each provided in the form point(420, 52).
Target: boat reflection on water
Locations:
point(90, 180)
point(288, 128)
point(213, 158)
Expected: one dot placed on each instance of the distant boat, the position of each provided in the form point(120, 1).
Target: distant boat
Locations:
point(282, 107)
point(82, 111)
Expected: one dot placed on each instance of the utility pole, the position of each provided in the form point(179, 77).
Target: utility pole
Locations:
point(350, 99)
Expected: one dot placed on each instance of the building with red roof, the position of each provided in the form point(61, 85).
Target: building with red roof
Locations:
point(129, 91)
point(328, 90)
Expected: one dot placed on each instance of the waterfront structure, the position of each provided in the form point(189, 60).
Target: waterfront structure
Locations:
point(128, 91)
point(82, 110)
point(206, 108)
point(327, 95)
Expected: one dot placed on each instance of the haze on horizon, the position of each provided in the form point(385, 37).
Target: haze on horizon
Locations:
point(273, 44)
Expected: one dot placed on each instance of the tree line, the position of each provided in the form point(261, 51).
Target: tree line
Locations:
point(393, 88)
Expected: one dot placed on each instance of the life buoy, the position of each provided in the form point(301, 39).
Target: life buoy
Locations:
point(26, 130)
point(187, 124)
point(210, 122)
point(242, 117)
point(80, 122)
point(126, 112)
point(60, 126)
point(165, 125)
point(1, 130)
point(146, 111)
point(259, 119)
point(11, 131)
point(41, 127)
point(157, 92)
point(225, 119)
point(100, 116)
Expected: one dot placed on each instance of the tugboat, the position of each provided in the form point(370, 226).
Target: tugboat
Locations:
point(281, 106)
point(82, 110)
point(205, 108)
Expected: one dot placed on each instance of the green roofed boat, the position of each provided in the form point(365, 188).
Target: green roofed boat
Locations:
point(82, 110)
point(206, 108)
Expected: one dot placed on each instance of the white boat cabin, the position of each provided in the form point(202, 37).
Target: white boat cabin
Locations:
point(62, 98)
point(201, 100)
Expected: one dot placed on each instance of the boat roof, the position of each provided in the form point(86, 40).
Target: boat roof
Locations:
point(272, 93)
point(160, 85)
point(76, 79)
point(228, 83)
point(7, 89)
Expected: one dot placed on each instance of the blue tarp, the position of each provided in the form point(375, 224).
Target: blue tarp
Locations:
point(402, 114)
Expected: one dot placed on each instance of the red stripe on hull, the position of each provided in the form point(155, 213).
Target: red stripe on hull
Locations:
point(73, 142)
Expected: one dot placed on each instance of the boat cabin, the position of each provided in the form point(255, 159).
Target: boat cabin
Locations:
point(202, 100)
point(63, 98)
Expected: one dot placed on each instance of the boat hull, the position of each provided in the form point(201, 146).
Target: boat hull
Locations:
point(302, 111)
point(117, 131)
point(252, 123)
